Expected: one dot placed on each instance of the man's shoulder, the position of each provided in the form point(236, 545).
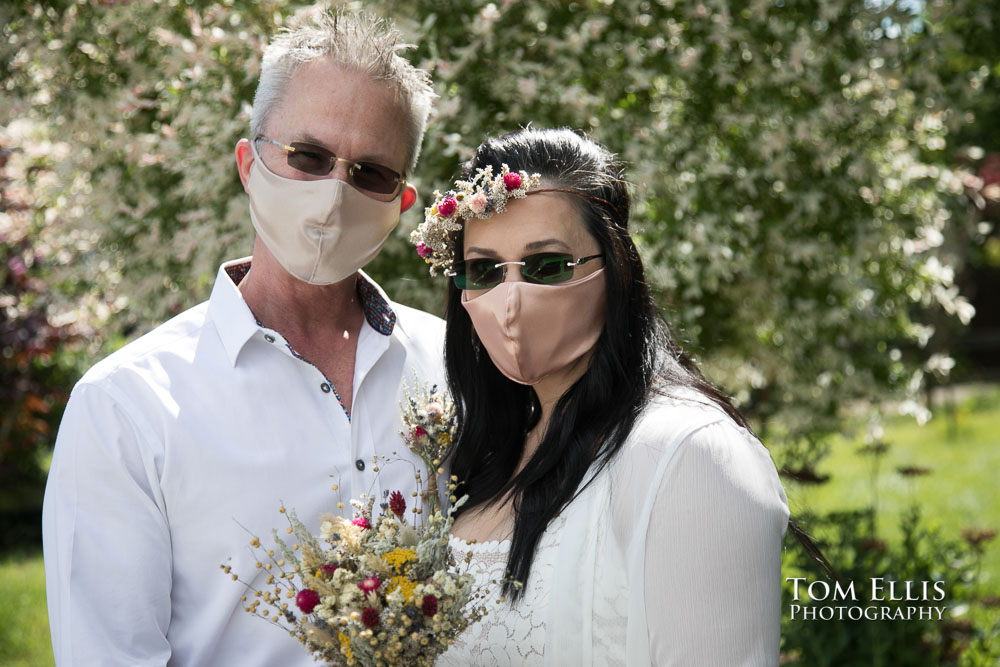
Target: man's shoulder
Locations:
point(177, 336)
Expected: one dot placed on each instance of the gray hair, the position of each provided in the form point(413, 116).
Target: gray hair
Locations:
point(357, 41)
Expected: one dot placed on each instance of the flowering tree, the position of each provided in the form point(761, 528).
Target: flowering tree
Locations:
point(43, 332)
point(791, 162)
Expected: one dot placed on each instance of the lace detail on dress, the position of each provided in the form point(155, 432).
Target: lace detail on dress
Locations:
point(610, 615)
point(506, 636)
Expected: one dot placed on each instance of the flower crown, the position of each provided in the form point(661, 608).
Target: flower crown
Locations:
point(482, 197)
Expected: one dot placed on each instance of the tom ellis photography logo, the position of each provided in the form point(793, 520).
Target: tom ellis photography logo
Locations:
point(878, 599)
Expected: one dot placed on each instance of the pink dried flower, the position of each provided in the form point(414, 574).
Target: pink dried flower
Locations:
point(424, 250)
point(478, 202)
point(362, 522)
point(434, 410)
point(397, 504)
point(328, 569)
point(511, 181)
point(17, 266)
point(370, 584)
point(306, 600)
point(418, 433)
point(447, 207)
point(370, 617)
point(429, 605)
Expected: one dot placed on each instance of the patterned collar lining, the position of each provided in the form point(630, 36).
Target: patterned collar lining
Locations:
point(379, 315)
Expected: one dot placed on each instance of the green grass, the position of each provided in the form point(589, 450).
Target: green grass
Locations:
point(24, 621)
point(962, 451)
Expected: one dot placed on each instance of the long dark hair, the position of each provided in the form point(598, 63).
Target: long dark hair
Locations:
point(634, 359)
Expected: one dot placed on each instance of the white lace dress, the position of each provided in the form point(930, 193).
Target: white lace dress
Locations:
point(672, 556)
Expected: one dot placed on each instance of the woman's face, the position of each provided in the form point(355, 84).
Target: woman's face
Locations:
point(547, 222)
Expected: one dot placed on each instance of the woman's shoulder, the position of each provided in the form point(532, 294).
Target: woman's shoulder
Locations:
point(688, 454)
point(686, 429)
point(674, 414)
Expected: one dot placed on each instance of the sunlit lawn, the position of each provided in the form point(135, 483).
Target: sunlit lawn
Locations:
point(24, 622)
point(960, 491)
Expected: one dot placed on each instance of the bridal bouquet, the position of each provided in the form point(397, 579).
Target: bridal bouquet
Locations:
point(377, 588)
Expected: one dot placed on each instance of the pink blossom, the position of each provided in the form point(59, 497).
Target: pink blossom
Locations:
point(478, 202)
point(417, 433)
point(511, 181)
point(424, 250)
point(370, 584)
point(17, 266)
point(362, 522)
point(447, 207)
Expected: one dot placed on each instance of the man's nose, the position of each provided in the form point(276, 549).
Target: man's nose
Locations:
point(342, 170)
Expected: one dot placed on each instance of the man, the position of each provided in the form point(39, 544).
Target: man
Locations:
point(179, 448)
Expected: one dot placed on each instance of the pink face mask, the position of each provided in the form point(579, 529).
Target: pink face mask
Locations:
point(531, 331)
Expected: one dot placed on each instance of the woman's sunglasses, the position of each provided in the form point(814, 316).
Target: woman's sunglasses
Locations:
point(546, 268)
point(318, 161)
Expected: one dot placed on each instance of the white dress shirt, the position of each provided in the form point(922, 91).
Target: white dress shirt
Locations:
point(179, 448)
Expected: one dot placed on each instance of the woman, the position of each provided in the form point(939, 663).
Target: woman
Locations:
point(623, 491)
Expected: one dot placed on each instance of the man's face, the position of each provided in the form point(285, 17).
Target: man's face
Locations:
point(348, 113)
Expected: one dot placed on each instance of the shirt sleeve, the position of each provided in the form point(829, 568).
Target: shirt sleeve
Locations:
point(106, 539)
point(713, 553)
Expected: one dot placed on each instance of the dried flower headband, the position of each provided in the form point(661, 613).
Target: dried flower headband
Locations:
point(482, 197)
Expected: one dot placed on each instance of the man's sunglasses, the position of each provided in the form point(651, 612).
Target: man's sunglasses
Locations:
point(546, 268)
point(318, 161)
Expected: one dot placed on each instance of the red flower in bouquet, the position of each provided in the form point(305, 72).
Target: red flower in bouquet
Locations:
point(397, 504)
point(306, 600)
point(429, 605)
point(370, 617)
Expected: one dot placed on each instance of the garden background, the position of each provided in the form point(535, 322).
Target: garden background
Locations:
point(816, 190)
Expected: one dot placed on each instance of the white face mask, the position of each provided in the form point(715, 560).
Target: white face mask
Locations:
point(320, 231)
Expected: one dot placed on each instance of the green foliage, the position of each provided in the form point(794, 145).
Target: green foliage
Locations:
point(923, 554)
point(40, 348)
point(794, 196)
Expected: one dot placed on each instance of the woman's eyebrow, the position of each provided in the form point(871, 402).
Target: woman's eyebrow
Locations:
point(534, 245)
point(481, 251)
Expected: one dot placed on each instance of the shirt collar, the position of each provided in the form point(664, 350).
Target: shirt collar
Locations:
point(236, 324)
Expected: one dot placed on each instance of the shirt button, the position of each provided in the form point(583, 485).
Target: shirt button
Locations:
point(269, 338)
point(325, 387)
point(359, 464)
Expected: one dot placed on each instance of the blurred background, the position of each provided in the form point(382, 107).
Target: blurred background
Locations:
point(817, 186)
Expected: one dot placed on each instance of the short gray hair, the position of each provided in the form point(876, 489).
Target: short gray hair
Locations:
point(359, 42)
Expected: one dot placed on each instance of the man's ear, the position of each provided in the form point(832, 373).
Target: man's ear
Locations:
point(408, 199)
point(244, 159)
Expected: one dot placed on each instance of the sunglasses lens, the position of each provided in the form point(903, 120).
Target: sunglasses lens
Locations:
point(547, 268)
point(477, 274)
point(376, 178)
point(311, 159)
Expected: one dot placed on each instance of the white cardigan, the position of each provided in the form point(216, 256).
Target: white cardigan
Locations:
point(672, 556)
